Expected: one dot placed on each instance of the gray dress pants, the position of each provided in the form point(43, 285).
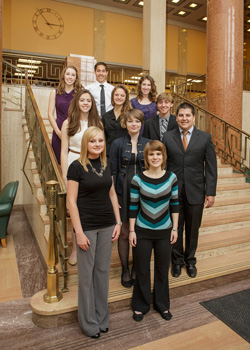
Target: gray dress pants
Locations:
point(93, 281)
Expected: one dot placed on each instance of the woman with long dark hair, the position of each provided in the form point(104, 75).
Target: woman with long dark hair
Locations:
point(145, 100)
point(59, 101)
point(113, 120)
point(82, 114)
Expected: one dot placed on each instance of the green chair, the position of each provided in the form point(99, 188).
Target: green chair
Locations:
point(7, 197)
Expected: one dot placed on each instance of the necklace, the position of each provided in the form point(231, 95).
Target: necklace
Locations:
point(100, 174)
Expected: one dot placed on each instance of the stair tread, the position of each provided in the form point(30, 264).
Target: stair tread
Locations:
point(232, 175)
point(228, 187)
point(223, 239)
point(223, 218)
point(207, 269)
point(231, 201)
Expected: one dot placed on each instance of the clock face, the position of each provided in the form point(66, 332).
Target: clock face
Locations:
point(47, 23)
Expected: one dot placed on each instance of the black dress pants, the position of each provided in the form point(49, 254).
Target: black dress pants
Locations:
point(142, 290)
point(189, 216)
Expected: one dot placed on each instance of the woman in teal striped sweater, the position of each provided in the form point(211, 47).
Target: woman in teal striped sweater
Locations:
point(153, 223)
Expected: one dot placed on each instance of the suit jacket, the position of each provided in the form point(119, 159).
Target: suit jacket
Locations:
point(196, 168)
point(152, 128)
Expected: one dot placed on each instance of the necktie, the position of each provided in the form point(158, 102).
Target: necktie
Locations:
point(184, 140)
point(103, 108)
point(164, 127)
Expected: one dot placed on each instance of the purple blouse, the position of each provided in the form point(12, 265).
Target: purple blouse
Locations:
point(149, 110)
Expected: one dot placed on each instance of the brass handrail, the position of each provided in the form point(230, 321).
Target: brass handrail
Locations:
point(48, 170)
point(231, 143)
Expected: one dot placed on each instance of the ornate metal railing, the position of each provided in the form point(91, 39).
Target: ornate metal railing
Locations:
point(193, 89)
point(13, 83)
point(231, 143)
point(48, 170)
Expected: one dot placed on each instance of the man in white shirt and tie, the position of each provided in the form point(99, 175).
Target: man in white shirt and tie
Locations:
point(101, 90)
point(191, 156)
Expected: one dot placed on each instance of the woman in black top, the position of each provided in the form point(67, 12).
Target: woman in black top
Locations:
point(94, 212)
point(126, 156)
point(113, 120)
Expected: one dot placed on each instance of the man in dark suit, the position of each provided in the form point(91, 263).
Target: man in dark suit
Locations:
point(155, 127)
point(191, 156)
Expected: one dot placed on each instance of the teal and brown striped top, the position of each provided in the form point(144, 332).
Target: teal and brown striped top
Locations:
point(151, 202)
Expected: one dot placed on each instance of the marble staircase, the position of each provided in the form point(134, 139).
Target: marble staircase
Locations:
point(223, 254)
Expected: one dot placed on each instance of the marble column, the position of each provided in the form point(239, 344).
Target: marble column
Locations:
point(225, 59)
point(154, 40)
point(99, 35)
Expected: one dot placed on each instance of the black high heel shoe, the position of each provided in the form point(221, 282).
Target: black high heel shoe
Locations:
point(126, 284)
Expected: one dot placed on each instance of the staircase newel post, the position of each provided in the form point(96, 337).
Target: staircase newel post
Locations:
point(53, 294)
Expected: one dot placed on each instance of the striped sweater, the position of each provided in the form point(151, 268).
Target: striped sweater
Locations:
point(151, 203)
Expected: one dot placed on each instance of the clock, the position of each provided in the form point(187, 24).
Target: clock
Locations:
point(47, 23)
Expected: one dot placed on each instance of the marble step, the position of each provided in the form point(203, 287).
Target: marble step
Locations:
point(225, 222)
point(227, 208)
point(231, 179)
point(212, 272)
point(233, 190)
point(210, 245)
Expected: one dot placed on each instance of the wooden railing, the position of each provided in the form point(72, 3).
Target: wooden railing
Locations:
point(48, 171)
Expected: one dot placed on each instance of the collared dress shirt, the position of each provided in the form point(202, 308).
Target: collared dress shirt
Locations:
point(95, 90)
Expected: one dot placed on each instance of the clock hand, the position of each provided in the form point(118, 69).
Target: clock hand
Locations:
point(52, 24)
point(46, 22)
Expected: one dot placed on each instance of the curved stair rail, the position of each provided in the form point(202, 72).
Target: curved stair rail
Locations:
point(48, 170)
point(231, 143)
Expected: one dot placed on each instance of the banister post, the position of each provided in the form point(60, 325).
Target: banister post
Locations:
point(53, 294)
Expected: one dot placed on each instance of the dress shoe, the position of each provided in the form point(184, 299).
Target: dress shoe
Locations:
point(95, 336)
point(104, 330)
point(191, 270)
point(176, 270)
point(166, 315)
point(138, 317)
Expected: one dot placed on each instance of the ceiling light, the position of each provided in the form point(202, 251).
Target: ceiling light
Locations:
point(248, 6)
point(248, 20)
point(193, 5)
point(248, 30)
point(141, 3)
point(181, 13)
point(175, 1)
point(28, 61)
point(204, 18)
point(27, 66)
point(197, 81)
point(135, 77)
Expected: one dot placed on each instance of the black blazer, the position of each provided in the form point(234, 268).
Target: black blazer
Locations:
point(119, 156)
point(196, 168)
point(152, 128)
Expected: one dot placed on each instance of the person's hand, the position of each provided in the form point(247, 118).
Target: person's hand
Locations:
point(209, 201)
point(116, 232)
point(173, 237)
point(132, 238)
point(82, 241)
